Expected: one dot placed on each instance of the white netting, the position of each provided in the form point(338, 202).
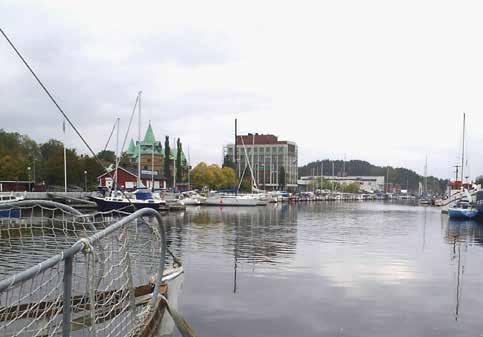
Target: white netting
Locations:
point(112, 277)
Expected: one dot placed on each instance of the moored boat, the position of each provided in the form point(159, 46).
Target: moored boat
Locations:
point(462, 210)
point(232, 200)
point(8, 198)
point(141, 198)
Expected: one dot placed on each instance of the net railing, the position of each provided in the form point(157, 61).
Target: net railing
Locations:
point(63, 273)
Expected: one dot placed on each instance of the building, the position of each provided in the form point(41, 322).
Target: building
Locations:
point(369, 184)
point(152, 158)
point(127, 179)
point(16, 186)
point(268, 157)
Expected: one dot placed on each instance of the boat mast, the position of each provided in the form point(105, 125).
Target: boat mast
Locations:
point(174, 163)
point(116, 166)
point(426, 176)
point(463, 151)
point(152, 165)
point(253, 158)
point(139, 141)
point(189, 169)
point(237, 171)
point(65, 158)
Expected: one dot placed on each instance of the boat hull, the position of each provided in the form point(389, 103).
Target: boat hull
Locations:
point(221, 201)
point(10, 213)
point(109, 205)
point(463, 214)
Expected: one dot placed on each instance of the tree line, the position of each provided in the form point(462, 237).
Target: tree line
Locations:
point(21, 158)
point(407, 179)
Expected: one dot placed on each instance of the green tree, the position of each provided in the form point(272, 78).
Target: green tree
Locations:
point(351, 188)
point(107, 156)
point(200, 176)
point(167, 168)
point(228, 162)
point(281, 178)
point(229, 177)
point(179, 172)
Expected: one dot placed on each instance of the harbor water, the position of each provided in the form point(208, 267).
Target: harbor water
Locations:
point(329, 269)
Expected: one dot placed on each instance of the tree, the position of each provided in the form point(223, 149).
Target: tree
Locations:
point(351, 188)
point(229, 177)
point(179, 172)
point(107, 156)
point(167, 168)
point(281, 178)
point(228, 162)
point(200, 176)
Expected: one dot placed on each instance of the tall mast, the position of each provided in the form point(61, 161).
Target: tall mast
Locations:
point(65, 158)
point(117, 154)
point(189, 169)
point(333, 175)
point(139, 141)
point(152, 164)
point(426, 175)
point(463, 151)
point(235, 150)
point(235, 154)
point(253, 158)
point(174, 163)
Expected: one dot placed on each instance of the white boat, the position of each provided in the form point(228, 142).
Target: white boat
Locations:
point(192, 198)
point(232, 200)
point(10, 197)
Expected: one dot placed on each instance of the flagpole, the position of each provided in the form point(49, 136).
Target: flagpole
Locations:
point(65, 158)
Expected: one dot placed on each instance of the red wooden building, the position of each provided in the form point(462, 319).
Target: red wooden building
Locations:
point(127, 179)
point(16, 186)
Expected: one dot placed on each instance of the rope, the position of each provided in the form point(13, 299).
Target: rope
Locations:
point(183, 326)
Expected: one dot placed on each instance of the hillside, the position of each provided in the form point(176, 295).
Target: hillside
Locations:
point(399, 175)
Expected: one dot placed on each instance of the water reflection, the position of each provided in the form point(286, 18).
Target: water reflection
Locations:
point(400, 263)
point(460, 234)
point(253, 235)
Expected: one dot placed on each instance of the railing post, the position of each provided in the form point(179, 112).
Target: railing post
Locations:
point(66, 309)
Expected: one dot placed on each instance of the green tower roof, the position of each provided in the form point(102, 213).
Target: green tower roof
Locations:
point(149, 138)
point(132, 148)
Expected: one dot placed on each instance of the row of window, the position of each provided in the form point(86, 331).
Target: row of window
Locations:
point(279, 149)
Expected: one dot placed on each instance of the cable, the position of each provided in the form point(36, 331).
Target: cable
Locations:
point(61, 111)
point(109, 139)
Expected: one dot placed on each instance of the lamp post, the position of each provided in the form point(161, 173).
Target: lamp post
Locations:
point(28, 169)
point(85, 181)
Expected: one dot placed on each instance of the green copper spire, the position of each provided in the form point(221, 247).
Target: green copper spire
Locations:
point(149, 136)
point(132, 148)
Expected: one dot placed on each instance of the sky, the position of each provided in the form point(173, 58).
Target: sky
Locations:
point(382, 81)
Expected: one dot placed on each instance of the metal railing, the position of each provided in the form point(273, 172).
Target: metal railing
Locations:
point(104, 283)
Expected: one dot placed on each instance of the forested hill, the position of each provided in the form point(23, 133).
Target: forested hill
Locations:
point(402, 176)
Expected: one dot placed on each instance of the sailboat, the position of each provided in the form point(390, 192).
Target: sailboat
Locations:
point(463, 209)
point(141, 198)
point(235, 199)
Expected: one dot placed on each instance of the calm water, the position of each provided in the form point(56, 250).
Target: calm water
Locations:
point(350, 269)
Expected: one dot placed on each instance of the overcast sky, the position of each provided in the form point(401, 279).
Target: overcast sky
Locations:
point(382, 81)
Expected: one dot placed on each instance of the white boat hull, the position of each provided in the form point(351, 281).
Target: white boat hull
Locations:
point(231, 201)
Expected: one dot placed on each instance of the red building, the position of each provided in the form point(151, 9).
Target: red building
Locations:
point(127, 179)
point(16, 186)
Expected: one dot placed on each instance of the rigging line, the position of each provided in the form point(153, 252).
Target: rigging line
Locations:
point(46, 91)
point(130, 122)
point(62, 111)
point(67, 118)
point(109, 139)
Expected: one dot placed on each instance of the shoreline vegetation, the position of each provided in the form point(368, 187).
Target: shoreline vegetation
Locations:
point(19, 152)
